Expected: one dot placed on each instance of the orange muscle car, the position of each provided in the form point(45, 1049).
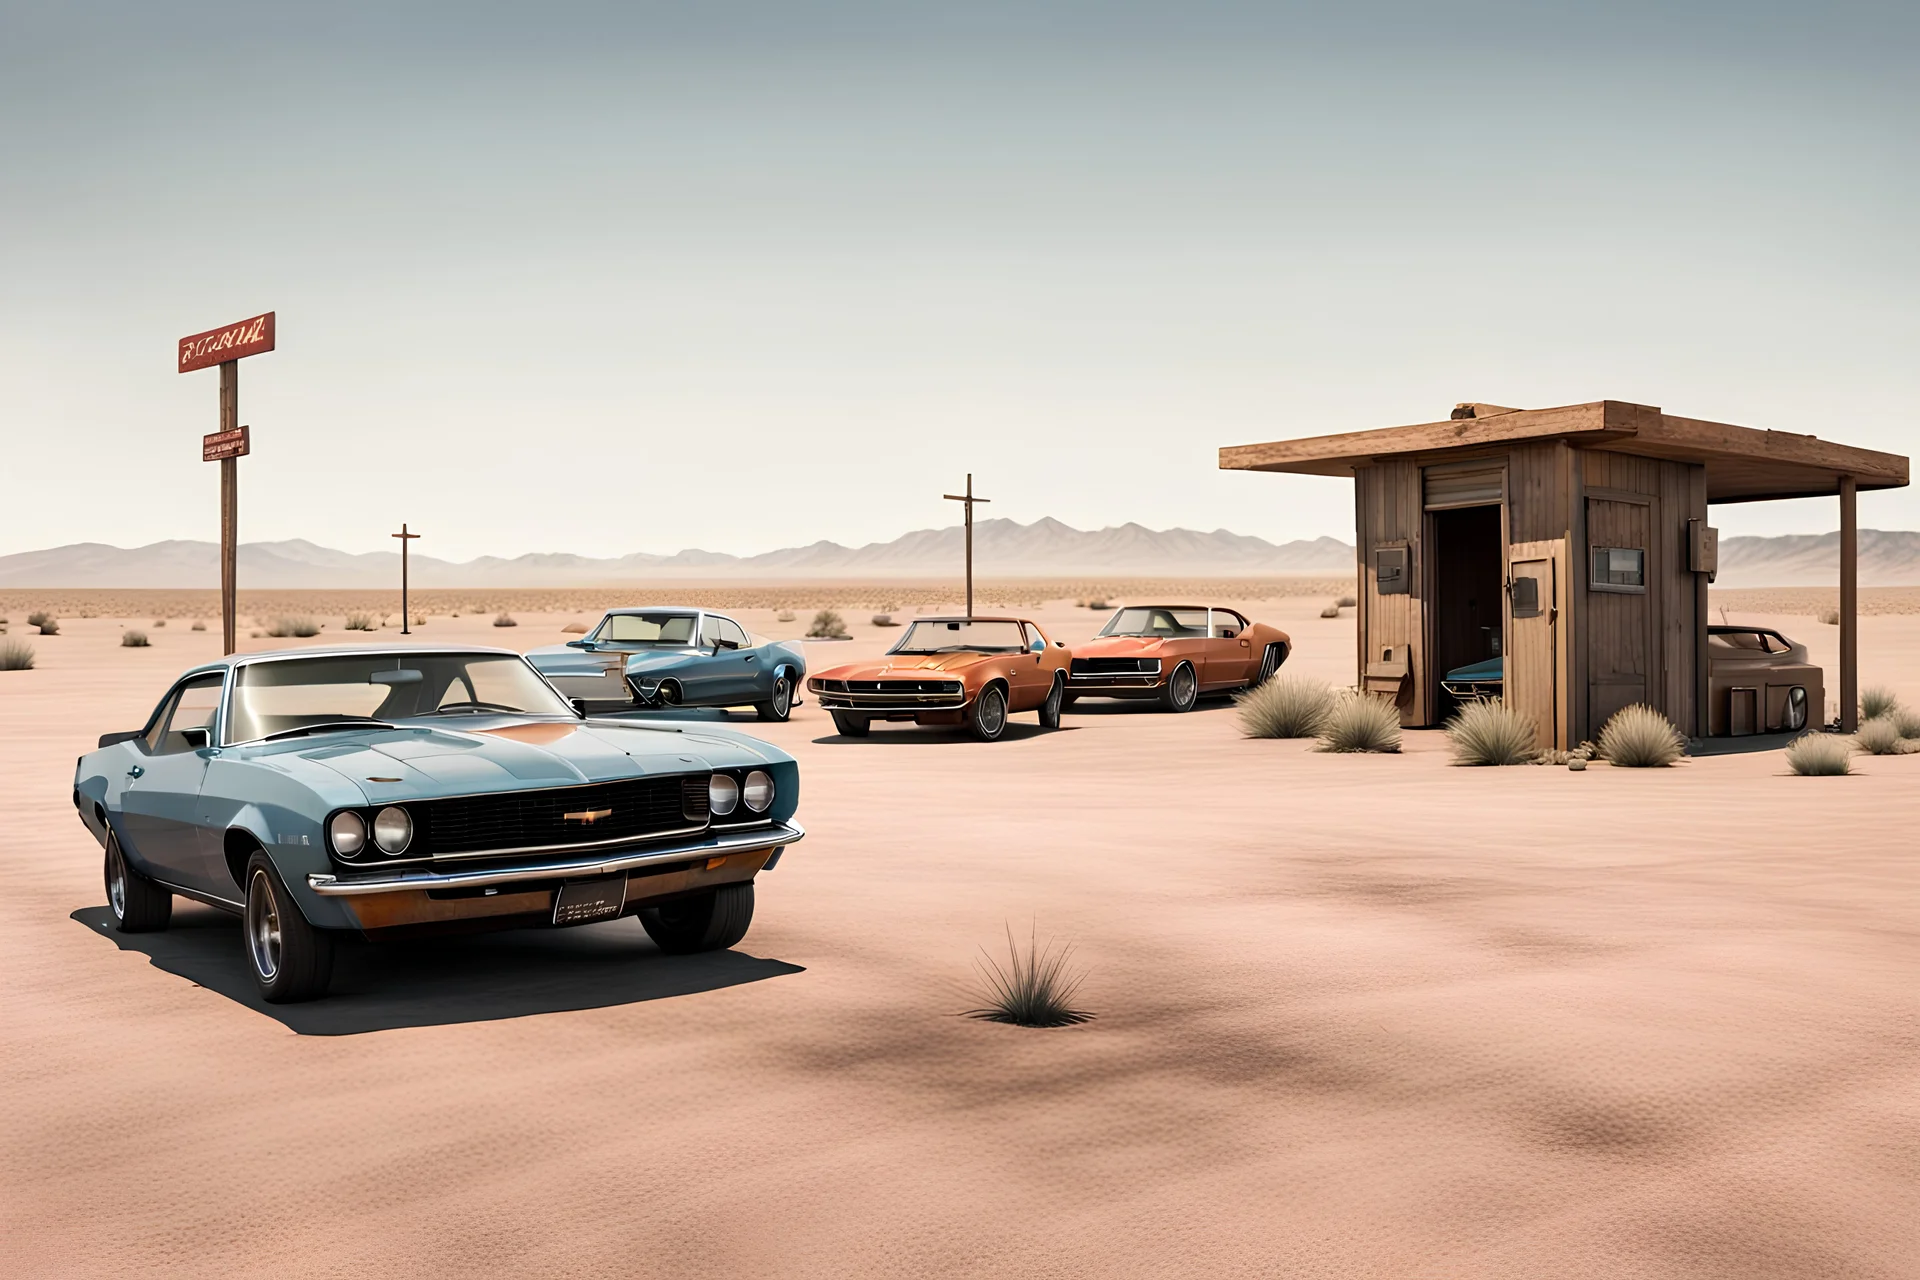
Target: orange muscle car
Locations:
point(1175, 653)
point(959, 671)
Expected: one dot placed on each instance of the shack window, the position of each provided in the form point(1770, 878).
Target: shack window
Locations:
point(1619, 569)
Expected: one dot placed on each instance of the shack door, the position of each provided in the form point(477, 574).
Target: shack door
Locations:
point(1533, 678)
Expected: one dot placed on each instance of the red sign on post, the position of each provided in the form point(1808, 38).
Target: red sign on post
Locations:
point(225, 444)
point(230, 342)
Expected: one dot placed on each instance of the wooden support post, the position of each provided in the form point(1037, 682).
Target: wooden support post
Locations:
point(406, 618)
point(229, 508)
point(969, 500)
point(1849, 607)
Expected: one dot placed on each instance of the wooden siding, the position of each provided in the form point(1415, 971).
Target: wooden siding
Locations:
point(1387, 501)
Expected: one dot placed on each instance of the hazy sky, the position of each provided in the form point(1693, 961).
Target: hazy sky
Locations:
point(605, 278)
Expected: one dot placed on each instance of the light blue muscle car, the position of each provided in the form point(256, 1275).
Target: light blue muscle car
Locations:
point(642, 659)
point(401, 792)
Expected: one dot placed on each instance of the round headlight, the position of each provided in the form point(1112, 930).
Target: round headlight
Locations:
point(392, 830)
point(758, 791)
point(347, 833)
point(723, 793)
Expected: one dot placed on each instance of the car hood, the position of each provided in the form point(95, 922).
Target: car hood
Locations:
point(559, 660)
point(1128, 646)
point(507, 755)
point(1491, 669)
point(904, 664)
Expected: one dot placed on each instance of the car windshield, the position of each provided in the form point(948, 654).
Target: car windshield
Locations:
point(1757, 641)
point(1152, 620)
point(663, 628)
point(293, 694)
point(961, 637)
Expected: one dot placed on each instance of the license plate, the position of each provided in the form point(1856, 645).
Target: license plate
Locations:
point(590, 900)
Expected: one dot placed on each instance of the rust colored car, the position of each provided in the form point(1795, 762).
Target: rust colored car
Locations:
point(1174, 653)
point(1759, 681)
point(972, 672)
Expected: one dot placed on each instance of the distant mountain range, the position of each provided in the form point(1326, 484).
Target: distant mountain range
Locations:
point(1002, 549)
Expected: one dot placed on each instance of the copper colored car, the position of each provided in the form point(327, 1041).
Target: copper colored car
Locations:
point(973, 672)
point(1760, 682)
point(1174, 653)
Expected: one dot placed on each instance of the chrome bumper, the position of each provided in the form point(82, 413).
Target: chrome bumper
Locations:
point(777, 836)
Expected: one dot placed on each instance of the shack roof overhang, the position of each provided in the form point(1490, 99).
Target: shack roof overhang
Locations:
point(1743, 464)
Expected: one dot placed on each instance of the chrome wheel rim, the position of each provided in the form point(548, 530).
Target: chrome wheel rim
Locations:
point(116, 880)
point(782, 693)
point(993, 712)
point(1183, 686)
point(263, 926)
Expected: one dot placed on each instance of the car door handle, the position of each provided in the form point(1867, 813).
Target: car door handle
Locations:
point(749, 657)
point(135, 772)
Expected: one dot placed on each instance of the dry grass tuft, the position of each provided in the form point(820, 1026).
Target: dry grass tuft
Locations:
point(1331, 611)
point(133, 640)
point(827, 625)
point(1034, 990)
point(198, 625)
point(48, 624)
point(1638, 737)
point(1908, 722)
point(159, 622)
point(1818, 755)
point(1876, 702)
point(1361, 722)
point(360, 622)
point(1830, 616)
point(298, 625)
point(504, 620)
point(1490, 733)
point(1285, 707)
point(16, 655)
point(884, 620)
point(1347, 602)
point(785, 615)
point(1879, 736)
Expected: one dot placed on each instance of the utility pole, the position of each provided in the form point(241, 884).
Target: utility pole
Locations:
point(226, 347)
point(406, 618)
point(969, 500)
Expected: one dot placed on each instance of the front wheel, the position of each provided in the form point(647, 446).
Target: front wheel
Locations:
point(779, 704)
point(291, 960)
point(138, 904)
point(1182, 689)
point(849, 725)
point(987, 718)
point(1050, 709)
point(711, 921)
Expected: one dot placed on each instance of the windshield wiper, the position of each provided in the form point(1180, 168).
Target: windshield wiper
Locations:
point(328, 726)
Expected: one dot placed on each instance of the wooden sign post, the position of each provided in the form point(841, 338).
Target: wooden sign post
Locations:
point(406, 618)
point(226, 346)
point(969, 499)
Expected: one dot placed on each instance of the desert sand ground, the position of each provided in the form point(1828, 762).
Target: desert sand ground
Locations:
point(1357, 1016)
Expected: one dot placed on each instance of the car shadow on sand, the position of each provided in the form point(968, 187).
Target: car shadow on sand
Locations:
point(480, 978)
point(934, 733)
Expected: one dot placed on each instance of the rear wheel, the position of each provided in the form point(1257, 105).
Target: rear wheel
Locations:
point(138, 904)
point(291, 960)
point(851, 725)
point(779, 704)
point(1182, 689)
point(711, 921)
point(987, 718)
point(1050, 709)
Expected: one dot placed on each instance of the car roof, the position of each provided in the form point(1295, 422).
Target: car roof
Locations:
point(355, 650)
point(1217, 608)
point(629, 609)
point(976, 618)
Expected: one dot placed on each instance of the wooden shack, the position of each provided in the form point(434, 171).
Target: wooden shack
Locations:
point(1572, 544)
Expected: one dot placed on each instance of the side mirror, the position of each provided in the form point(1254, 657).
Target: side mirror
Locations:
point(580, 644)
point(1059, 644)
point(195, 738)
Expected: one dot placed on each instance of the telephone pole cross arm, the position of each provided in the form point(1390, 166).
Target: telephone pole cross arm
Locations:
point(969, 500)
point(406, 618)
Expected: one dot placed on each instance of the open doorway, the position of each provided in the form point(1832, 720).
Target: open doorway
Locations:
point(1465, 551)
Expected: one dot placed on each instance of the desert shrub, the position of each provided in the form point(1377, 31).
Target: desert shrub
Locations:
point(1285, 707)
point(1638, 737)
point(37, 618)
point(16, 655)
point(574, 629)
point(199, 625)
point(1816, 755)
point(785, 615)
point(48, 624)
point(360, 622)
point(419, 619)
point(1096, 604)
point(826, 625)
point(159, 622)
point(298, 625)
point(1361, 722)
point(1830, 616)
point(884, 620)
point(1346, 602)
point(1331, 611)
point(1908, 722)
point(1879, 736)
point(256, 634)
point(1034, 990)
point(1876, 702)
point(133, 639)
point(504, 620)
point(1491, 733)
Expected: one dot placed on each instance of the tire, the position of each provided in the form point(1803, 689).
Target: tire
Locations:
point(1181, 690)
point(711, 921)
point(779, 706)
point(987, 717)
point(290, 960)
point(138, 904)
point(1050, 709)
point(850, 725)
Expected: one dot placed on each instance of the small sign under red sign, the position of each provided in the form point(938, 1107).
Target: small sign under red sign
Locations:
point(229, 342)
point(225, 444)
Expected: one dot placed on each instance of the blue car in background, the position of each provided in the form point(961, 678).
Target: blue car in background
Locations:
point(647, 658)
point(401, 792)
